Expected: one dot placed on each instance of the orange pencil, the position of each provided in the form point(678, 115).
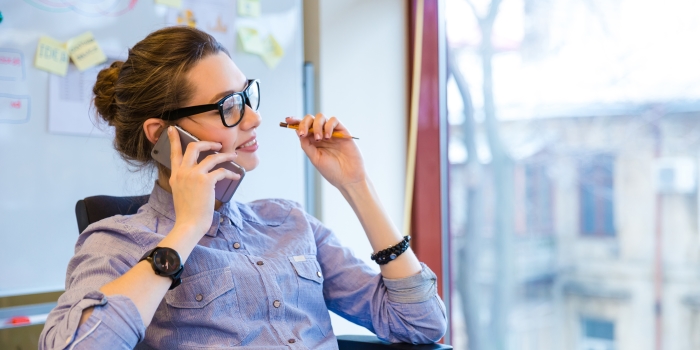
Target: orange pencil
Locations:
point(311, 130)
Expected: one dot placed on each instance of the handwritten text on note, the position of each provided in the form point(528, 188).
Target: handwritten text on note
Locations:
point(11, 65)
point(14, 109)
point(51, 56)
point(85, 51)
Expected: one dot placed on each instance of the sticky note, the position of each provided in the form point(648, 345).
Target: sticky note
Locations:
point(272, 52)
point(85, 52)
point(186, 17)
point(14, 108)
point(11, 65)
point(249, 8)
point(51, 56)
point(250, 41)
point(172, 3)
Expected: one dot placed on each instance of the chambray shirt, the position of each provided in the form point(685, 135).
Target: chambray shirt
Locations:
point(265, 275)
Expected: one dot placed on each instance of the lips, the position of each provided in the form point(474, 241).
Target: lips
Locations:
point(250, 144)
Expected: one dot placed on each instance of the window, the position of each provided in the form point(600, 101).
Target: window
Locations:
point(596, 196)
point(534, 198)
point(597, 334)
point(539, 199)
point(568, 120)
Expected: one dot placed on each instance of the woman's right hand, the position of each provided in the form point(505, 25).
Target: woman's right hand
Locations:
point(192, 184)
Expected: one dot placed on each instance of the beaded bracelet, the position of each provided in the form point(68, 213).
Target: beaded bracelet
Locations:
point(389, 254)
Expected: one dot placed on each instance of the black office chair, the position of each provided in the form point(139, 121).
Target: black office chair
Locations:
point(96, 208)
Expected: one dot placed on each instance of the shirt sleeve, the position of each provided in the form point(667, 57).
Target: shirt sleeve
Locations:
point(115, 322)
point(407, 310)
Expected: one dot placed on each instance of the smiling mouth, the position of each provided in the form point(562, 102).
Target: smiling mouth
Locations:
point(248, 144)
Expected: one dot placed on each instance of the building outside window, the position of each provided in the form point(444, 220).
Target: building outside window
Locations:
point(574, 139)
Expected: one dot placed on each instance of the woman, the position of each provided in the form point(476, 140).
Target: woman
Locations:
point(190, 272)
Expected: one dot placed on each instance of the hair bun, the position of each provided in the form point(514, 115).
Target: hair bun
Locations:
point(105, 91)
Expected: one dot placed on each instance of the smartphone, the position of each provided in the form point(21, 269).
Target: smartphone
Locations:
point(224, 189)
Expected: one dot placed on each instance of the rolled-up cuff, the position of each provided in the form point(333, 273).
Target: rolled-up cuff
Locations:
point(123, 318)
point(72, 320)
point(413, 289)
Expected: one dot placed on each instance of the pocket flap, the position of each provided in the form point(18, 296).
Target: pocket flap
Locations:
point(308, 268)
point(199, 290)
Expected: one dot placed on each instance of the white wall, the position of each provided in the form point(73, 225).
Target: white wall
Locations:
point(360, 53)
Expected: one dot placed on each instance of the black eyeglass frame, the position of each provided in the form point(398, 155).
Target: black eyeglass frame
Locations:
point(192, 110)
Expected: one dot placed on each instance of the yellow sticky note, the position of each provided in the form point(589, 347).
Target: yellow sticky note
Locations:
point(249, 8)
point(51, 56)
point(85, 52)
point(250, 41)
point(186, 17)
point(272, 52)
point(172, 3)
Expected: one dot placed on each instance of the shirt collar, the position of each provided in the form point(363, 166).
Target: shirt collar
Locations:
point(162, 202)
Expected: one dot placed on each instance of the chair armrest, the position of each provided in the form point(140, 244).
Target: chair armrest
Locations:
point(370, 342)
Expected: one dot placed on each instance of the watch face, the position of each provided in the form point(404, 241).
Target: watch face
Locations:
point(166, 260)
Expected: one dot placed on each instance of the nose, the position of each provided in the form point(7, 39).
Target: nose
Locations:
point(251, 119)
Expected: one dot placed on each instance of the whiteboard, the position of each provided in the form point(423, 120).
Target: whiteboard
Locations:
point(43, 173)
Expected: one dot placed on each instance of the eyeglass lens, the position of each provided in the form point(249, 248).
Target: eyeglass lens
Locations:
point(233, 107)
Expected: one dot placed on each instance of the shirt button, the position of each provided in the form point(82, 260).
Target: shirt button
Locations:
point(276, 303)
point(236, 245)
point(291, 341)
point(259, 262)
point(199, 297)
point(319, 274)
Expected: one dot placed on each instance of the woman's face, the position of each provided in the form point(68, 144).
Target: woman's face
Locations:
point(212, 78)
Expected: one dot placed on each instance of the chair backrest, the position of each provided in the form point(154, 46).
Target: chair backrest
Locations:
point(96, 208)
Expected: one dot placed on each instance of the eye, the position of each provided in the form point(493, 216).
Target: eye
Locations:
point(228, 111)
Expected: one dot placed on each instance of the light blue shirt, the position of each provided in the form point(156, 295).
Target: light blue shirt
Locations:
point(265, 275)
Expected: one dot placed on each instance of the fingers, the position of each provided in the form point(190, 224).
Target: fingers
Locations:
point(331, 125)
point(319, 127)
point(222, 173)
point(292, 120)
point(319, 122)
point(213, 160)
point(175, 148)
point(304, 125)
point(195, 148)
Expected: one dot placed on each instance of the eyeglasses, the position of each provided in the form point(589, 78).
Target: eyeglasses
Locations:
point(231, 108)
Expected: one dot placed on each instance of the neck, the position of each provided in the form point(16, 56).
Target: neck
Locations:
point(164, 182)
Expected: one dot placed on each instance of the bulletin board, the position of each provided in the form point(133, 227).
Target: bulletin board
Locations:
point(52, 153)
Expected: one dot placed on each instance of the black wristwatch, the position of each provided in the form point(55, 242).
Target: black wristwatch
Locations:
point(165, 262)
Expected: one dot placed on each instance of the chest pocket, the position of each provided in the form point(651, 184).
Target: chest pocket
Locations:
point(310, 280)
point(204, 309)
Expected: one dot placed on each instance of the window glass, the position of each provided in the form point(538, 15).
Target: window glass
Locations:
point(574, 139)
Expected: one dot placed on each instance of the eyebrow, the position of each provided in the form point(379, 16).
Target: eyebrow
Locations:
point(221, 95)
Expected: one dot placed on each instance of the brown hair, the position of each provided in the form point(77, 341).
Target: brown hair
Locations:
point(150, 82)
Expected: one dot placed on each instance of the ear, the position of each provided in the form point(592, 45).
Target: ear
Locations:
point(153, 127)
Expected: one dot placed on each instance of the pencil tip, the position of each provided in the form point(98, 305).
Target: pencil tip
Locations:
point(283, 124)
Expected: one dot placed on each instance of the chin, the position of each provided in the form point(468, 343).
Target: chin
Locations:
point(249, 164)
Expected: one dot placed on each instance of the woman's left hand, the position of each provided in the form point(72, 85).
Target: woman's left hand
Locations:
point(338, 159)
